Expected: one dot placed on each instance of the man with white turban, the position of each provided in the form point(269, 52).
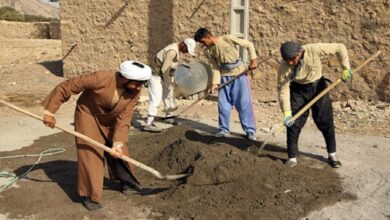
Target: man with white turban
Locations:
point(103, 113)
point(160, 84)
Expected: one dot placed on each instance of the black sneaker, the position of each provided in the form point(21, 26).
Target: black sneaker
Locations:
point(334, 162)
point(91, 205)
point(129, 189)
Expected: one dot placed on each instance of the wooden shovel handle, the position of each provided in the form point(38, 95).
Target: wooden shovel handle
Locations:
point(92, 141)
point(218, 88)
point(315, 99)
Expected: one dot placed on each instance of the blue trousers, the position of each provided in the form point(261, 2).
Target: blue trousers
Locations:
point(238, 94)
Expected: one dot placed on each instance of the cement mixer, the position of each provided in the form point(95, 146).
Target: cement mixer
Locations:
point(191, 79)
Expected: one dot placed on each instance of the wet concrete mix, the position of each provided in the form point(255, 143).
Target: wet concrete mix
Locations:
point(228, 182)
point(225, 182)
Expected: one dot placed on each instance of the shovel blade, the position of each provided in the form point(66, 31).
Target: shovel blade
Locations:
point(175, 177)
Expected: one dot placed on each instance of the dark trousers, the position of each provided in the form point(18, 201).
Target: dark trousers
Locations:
point(322, 114)
point(120, 170)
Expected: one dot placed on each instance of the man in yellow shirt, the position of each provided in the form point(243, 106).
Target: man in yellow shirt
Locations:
point(299, 81)
point(225, 64)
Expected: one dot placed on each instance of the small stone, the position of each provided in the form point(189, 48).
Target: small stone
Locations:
point(259, 9)
point(372, 108)
point(271, 103)
point(337, 106)
point(265, 130)
point(381, 106)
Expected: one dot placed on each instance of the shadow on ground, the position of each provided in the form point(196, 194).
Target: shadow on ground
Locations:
point(55, 67)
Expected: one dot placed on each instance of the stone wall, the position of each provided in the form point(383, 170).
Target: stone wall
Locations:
point(363, 26)
point(55, 30)
point(29, 30)
point(100, 34)
point(111, 31)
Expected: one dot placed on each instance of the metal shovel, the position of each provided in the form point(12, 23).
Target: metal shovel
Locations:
point(99, 145)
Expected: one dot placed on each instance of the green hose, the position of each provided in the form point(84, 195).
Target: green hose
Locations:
point(14, 178)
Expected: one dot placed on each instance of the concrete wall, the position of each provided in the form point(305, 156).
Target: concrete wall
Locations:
point(29, 30)
point(100, 34)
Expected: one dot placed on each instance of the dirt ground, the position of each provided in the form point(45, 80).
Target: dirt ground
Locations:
point(227, 181)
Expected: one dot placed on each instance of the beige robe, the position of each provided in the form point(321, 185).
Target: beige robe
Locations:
point(96, 118)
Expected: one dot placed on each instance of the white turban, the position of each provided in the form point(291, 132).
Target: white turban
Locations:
point(135, 70)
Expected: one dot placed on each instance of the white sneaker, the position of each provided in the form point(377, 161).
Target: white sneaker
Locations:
point(291, 162)
point(251, 136)
point(222, 133)
point(169, 110)
point(152, 128)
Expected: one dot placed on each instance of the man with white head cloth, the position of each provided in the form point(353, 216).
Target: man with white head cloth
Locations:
point(161, 83)
point(103, 113)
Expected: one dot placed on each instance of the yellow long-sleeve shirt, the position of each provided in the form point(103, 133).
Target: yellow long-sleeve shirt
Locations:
point(225, 51)
point(311, 69)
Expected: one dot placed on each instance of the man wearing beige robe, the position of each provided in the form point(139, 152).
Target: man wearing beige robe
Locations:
point(103, 113)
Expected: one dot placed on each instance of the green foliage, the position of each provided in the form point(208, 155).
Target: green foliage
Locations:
point(10, 14)
point(36, 18)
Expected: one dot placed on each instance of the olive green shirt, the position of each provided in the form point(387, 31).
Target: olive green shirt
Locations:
point(225, 51)
point(311, 69)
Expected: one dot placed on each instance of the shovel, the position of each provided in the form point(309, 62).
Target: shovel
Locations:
point(314, 100)
point(154, 172)
point(208, 93)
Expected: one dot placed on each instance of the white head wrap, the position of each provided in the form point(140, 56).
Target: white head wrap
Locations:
point(135, 70)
